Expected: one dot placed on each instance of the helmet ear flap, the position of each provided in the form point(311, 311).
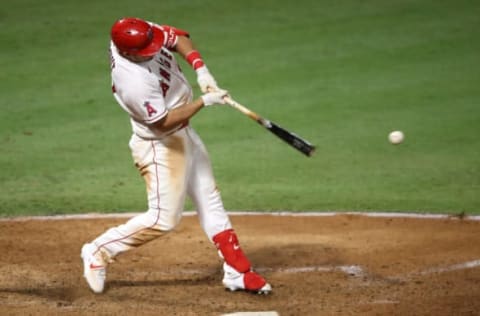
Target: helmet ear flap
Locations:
point(136, 37)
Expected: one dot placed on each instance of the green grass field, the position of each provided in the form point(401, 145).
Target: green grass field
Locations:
point(341, 74)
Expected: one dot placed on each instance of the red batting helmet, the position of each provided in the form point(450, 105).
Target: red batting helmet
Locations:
point(136, 37)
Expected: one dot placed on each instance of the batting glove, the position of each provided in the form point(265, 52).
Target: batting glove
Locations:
point(205, 79)
point(215, 97)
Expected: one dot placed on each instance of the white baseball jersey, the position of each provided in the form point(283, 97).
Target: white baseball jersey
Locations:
point(148, 90)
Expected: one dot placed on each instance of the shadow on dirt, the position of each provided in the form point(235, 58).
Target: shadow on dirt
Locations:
point(63, 296)
point(293, 255)
point(203, 280)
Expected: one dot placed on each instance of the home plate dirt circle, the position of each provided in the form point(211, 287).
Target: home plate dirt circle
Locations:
point(318, 264)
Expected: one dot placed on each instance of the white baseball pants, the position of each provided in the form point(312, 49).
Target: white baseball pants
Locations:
point(173, 167)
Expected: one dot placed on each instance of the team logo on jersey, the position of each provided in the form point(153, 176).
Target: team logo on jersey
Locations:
point(150, 109)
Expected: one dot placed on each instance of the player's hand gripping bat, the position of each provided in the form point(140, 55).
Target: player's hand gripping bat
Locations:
point(288, 137)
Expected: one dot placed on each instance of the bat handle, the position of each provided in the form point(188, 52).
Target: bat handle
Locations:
point(243, 109)
point(254, 116)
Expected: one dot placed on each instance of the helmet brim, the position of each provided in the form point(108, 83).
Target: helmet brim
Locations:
point(154, 46)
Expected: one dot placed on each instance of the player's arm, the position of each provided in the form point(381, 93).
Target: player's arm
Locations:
point(186, 48)
point(181, 115)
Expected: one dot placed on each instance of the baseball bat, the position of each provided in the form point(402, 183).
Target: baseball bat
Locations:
point(290, 138)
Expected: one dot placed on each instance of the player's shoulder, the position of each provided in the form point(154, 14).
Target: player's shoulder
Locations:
point(123, 68)
point(130, 78)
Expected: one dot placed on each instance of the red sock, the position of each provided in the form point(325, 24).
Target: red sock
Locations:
point(227, 243)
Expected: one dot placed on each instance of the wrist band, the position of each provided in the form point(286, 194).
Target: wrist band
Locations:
point(195, 59)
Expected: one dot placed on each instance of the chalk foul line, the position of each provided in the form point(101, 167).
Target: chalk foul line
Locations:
point(459, 266)
point(352, 270)
point(358, 271)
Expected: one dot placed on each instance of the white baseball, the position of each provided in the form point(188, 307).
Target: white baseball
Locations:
point(396, 137)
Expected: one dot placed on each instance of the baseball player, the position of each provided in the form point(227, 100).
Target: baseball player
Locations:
point(149, 85)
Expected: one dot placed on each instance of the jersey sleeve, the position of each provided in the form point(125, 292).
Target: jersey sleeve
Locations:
point(171, 35)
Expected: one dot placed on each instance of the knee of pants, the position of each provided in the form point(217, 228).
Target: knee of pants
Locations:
point(163, 219)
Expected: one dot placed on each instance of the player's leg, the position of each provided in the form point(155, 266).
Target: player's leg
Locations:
point(163, 166)
point(215, 222)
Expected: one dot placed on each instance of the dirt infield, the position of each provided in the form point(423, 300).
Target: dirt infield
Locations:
point(317, 265)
